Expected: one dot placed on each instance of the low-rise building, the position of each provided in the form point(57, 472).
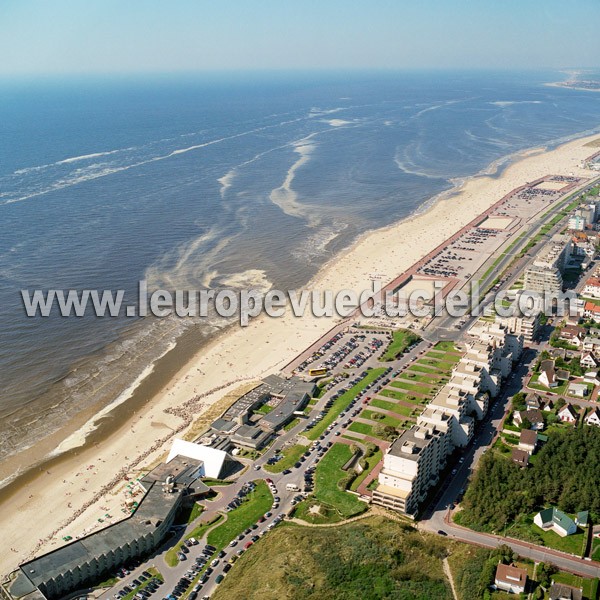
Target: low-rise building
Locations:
point(561, 591)
point(510, 579)
point(580, 390)
point(593, 418)
point(566, 414)
point(591, 344)
point(556, 520)
point(591, 289)
point(88, 560)
point(573, 334)
point(528, 440)
point(588, 361)
point(520, 457)
point(591, 311)
point(535, 418)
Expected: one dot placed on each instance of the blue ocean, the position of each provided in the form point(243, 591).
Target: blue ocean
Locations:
point(219, 180)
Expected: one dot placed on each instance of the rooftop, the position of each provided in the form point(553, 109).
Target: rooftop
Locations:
point(528, 437)
point(511, 574)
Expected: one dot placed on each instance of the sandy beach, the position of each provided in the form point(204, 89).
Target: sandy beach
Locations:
point(71, 497)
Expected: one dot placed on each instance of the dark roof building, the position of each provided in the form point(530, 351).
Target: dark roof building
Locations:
point(84, 562)
point(520, 457)
point(561, 591)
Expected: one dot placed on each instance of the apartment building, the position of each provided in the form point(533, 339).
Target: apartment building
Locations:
point(413, 462)
point(544, 274)
point(528, 327)
point(410, 467)
point(578, 221)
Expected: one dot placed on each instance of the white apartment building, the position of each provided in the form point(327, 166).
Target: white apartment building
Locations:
point(528, 327)
point(410, 467)
point(577, 221)
point(544, 274)
point(413, 462)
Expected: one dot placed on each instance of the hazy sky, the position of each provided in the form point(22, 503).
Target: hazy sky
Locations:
point(100, 36)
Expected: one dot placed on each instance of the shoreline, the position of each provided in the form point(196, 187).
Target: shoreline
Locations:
point(566, 86)
point(208, 375)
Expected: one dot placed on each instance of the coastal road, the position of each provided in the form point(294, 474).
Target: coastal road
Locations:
point(445, 326)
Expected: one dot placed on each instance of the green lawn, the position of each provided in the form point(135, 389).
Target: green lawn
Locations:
point(257, 504)
point(338, 503)
point(401, 340)
point(291, 454)
point(441, 365)
point(291, 424)
point(403, 410)
point(419, 368)
point(342, 402)
point(577, 582)
point(420, 388)
point(446, 347)
point(387, 419)
point(596, 549)
point(384, 404)
point(573, 544)
point(216, 482)
point(393, 394)
point(448, 357)
point(195, 512)
point(561, 389)
point(432, 379)
point(361, 428)
point(264, 409)
point(371, 463)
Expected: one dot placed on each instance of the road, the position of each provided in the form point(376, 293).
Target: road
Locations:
point(254, 471)
point(444, 326)
point(437, 516)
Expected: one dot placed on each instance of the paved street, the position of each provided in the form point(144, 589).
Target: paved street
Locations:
point(227, 493)
point(436, 516)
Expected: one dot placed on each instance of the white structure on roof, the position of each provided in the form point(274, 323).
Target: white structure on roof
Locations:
point(214, 460)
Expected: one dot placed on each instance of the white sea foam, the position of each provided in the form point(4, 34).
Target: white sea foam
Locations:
point(436, 107)
point(78, 438)
point(74, 180)
point(336, 122)
point(284, 196)
point(315, 245)
point(249, 279)
point(226, 181)
point(186, 266)
point(408, 166)
point(321, 112)
point(506, 103)
point(487, 140)
point(73, 159)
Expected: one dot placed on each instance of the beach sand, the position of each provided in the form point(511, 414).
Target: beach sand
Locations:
point(74, 494)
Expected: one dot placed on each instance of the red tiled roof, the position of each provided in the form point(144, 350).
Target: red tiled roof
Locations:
point(592, 307)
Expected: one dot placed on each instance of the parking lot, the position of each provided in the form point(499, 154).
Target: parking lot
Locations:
point(201, 568)
point(344, 350)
